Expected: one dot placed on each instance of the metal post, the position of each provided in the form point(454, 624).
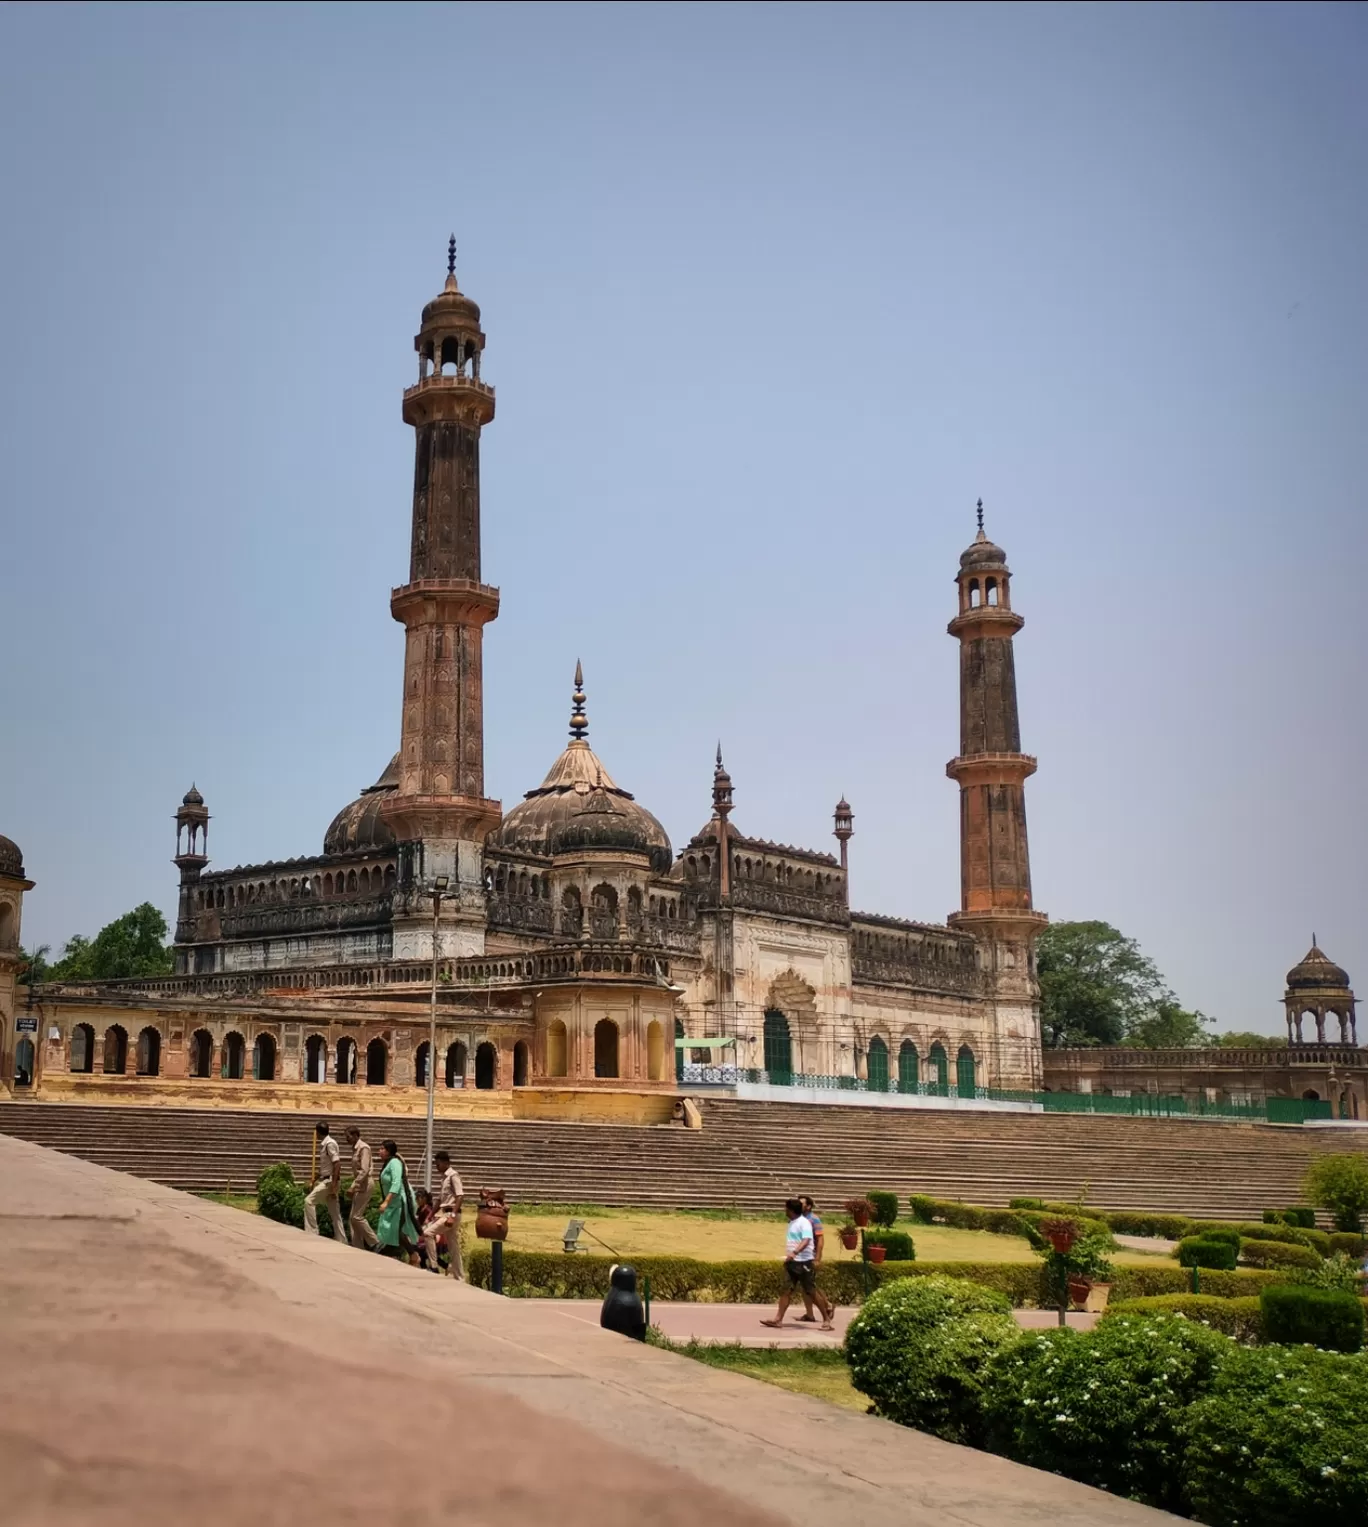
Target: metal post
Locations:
point(432, 1040)
point(864, 1264)
point(646, 1300)
point(496, 1266)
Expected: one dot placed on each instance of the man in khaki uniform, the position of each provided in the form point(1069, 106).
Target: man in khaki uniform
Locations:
point(362, 1181)
point(327, 1180)
point(446, 1222)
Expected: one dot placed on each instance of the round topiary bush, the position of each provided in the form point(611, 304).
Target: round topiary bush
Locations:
point(279, 1196)
point(1208, 1251)
point(1281, 1440)
point(885, 1207)
point(920, 1348)
point(1106, 1407)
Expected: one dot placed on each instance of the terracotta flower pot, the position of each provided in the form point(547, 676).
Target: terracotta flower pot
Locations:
point(861, 1217)
point(877, 1253)
point(850, 1239)
point(1079, 1289)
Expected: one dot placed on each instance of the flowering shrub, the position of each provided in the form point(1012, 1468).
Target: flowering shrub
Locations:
point(1338, 1271)
point(1240, 1318)
point(1106, 1407)
point(921, 1347)
point(1281, 1440)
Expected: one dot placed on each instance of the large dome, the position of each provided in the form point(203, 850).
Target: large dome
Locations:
point(11, 859)
point(360, 825)
point(579, 806)
point(1317, 972)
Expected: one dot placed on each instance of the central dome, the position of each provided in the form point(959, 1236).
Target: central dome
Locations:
point(579, 806)
point(360, 825)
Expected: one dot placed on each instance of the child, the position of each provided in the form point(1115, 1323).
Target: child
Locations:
point(424, 1199)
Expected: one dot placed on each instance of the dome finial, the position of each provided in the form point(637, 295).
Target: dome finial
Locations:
point(451, 255)
point(979, 507)
point(579, 722)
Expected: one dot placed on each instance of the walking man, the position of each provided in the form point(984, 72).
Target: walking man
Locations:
point(327, 1180)
point(361, 1233)
point(446, 1222)
point(799, 1261)
point(818, 1245)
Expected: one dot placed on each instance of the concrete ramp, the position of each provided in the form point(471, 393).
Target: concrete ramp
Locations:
point(166, 1360)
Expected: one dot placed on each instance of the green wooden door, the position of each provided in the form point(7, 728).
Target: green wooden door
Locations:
point(966, 1082)
point(877, 1069)
point(908, 1067)
point(940, 1069)
point(778, 1049)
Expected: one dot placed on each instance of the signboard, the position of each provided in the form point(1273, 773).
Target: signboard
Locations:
point(26, 1026)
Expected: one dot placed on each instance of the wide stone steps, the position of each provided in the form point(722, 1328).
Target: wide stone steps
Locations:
point(748, 1156)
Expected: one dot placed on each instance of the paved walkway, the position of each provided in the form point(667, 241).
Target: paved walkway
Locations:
point(742, 1322)
point(164, 1359)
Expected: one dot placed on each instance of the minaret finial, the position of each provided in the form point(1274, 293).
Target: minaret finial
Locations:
point(980, 516)
point(722, 788)
point(719, 752)
point(451, 255)
point(579, 722)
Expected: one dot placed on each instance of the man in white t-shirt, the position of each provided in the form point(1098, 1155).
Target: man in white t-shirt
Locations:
point(800, 1256)
point(327, 1180)
point(446, 1222)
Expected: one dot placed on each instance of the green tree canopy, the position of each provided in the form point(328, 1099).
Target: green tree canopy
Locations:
point(132, 945)
point(1340, 1184)
point(1095, 984)
point(1246, 1039)
point(1168, 1027)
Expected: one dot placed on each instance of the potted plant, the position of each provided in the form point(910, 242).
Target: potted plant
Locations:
point(850, 1236)
point(1060, 1233)
point(876, 1251)
point(861, 1211)
point(1089, 1272)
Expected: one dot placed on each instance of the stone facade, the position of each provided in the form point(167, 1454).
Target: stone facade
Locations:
point(564, 945)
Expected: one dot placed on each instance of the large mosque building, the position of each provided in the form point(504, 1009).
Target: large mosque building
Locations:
point(574, 947)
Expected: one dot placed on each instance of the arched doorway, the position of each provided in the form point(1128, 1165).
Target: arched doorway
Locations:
point(420, 1064)
point(940, 1069)
point(25, 1059)
point(346, 1062)
point(486, 1067)
point(908, 1067)
point(603, 912)
point(1311, 1095)
point(201, 1053)
point(605, 1049)
point(778, 1049)
point(82, 1058)
point(679, 1051)
point(520, 1063)
point(377, 1063)
point(556, 1049)
point(115, 1051)
point(264, 1058)
point(234, 1053)
point(876, 1065)
point(149, 1052)
point(966, 1079)
point(655, 1052)
point(315, 1058)
point(456, 1064)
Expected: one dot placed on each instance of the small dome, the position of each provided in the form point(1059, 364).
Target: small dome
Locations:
point(452, 306)
point(1317, 972)
point(360, 825)
point(192, 798)
point(983, 553)
point(578, 806)
point(11, 859)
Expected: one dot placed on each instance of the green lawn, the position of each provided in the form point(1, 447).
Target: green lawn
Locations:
point(818, 1371)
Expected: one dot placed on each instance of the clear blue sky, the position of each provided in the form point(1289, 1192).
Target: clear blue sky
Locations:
point(773, 294)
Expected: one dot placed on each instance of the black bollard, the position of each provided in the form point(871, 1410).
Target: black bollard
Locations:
point(496, 1266)
point(622, 1310)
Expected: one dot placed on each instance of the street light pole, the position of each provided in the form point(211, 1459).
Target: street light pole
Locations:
point(439, 885)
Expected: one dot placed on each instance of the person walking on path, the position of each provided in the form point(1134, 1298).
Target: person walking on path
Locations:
point(447, 1220)
point(824, 1304)
point(799, 1262)
point(362, 1181)
point(327, 1179)
point(398, 1229)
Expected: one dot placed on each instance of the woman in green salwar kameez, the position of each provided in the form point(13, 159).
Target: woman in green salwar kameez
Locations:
point(398, 1226)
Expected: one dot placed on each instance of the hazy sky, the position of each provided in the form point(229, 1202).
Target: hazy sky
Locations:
point(773, 294)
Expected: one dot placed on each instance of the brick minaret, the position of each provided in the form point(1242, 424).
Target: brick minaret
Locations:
point(991, 771)
point(440, 803)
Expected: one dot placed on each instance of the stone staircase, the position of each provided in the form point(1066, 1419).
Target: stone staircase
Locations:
point(748, 1156)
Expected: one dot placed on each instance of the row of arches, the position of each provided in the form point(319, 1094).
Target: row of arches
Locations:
point(607, 1050)
point(907, 946)
point(365, 881)
point(796, 877)
point(986, 594)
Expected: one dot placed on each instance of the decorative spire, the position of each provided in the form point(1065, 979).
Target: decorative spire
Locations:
point(451, 255)
point(579, 722)
point(979, 506)
point(722, 788)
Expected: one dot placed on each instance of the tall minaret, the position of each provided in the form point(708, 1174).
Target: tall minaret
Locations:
point(991, 771)
point(440, 803)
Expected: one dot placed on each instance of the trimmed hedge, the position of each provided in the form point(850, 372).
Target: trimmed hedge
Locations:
point(1026, 1203)
point(1240, 1317)
point(1105, 1407)
point(1168, 1227)
point(1207, 1251)
point(1319, 1317)
point(897, 1244)
point(1023, 1222)
point(885, 1207)
point(1281, 1440)
point(1277, 1254)
point(1350, 1244)
point(1300, 1215)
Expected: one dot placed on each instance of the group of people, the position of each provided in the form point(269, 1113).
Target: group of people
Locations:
point(803, 1246)
point(410, 1227)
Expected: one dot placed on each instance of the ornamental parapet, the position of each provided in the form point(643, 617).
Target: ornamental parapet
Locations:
point(991, 768)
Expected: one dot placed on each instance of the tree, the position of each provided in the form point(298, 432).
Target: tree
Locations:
point(1245, 1039)
point(1340, 1184)
point(132, 945)
point(33, 965)
point(1095, 985)
point(1167, 1027)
